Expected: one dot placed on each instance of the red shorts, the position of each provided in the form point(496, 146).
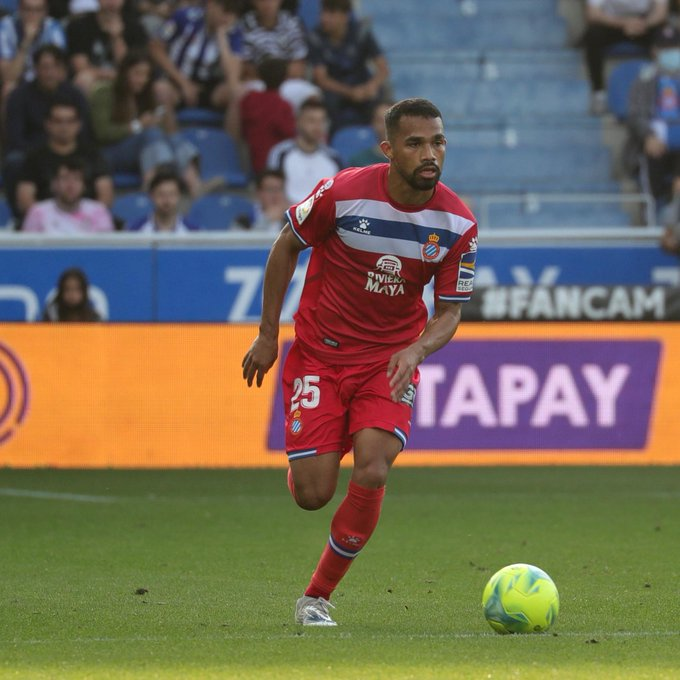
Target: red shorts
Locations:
point(325, 405)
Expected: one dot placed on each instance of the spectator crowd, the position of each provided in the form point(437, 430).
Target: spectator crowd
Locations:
point(98, 96)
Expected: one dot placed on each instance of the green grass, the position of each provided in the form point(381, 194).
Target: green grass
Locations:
point(224, 555)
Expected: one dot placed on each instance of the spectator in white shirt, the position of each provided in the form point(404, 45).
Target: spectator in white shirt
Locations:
point(306, 158)
point(68, 212)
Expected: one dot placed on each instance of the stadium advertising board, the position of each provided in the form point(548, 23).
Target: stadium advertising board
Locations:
point(165, 282)
point(144, 395)
point(574, 303)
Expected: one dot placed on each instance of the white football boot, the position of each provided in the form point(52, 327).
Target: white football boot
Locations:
point(313, 611)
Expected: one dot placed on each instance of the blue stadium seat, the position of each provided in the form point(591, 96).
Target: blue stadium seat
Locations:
point(471, 170)
point(625, 50)
point(9, 6)
point(507, 215)
point(199, 116)
point(219, 211)
point(131, 206)
point(6, 218)
point(219, 154)
point(621, 79)
point(350, 140)
point(308, 11)
point(126, 180)
point(480, 32)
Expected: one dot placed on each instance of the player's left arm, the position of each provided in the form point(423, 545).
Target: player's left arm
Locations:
point(438, 332)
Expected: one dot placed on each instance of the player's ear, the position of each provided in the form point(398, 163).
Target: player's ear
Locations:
point(386, 148)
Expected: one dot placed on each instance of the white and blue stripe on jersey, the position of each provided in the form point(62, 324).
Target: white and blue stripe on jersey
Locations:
point(378, 227)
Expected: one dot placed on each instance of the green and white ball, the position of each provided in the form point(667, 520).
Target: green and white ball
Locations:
point(520, 598)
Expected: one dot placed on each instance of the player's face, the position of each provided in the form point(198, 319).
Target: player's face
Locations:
point(417, 151)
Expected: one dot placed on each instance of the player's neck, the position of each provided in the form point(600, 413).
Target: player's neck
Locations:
point(400, 191)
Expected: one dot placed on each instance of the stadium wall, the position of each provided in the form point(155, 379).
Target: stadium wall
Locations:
point(172, 395)
point(142, 279)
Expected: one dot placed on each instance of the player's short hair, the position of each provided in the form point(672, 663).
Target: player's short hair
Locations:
point(416, 107)
point(344, 6)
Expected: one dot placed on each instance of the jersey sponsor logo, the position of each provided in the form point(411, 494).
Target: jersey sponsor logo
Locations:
point(386, 280)
point(389, 264)
point(303, 210)
point(473, 245)
point(466, 272)
point(362, 227)
point(431, 248)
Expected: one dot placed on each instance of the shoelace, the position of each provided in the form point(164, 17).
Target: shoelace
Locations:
point(320, 607)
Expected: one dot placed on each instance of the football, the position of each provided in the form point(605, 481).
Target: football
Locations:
point(520, 598)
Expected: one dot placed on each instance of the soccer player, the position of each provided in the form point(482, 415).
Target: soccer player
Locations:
point(378, 234)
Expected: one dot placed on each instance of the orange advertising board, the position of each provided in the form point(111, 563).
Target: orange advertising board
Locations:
point(155, 395)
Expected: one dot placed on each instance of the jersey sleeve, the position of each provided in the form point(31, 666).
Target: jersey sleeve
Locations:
point(313, 220)
point(454, 280)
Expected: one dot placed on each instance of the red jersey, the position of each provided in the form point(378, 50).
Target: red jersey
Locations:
point(362, 298)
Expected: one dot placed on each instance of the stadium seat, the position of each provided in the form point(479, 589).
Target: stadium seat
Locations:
point(220, 211)
point(574, 214)
point(625, 50)
point(219, 154)
point(350, 140)
point(308, 11)
point(8, 6)
point(131, 206)
point(6, 218)
point(126, 180)
point(621, 79)
point(199, 116)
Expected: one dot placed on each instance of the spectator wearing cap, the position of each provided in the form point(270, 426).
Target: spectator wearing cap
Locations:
point(615, 21)
point(654, 116)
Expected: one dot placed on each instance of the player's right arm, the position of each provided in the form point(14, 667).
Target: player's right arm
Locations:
point(277, 275)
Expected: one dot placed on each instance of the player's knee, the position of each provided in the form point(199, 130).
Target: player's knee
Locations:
point(372, 474)
point(312, 497)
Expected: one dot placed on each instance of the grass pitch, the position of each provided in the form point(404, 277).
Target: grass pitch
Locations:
point(194, 574)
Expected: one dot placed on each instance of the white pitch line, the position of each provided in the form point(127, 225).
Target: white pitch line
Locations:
point(56, 496)
point(602, 635)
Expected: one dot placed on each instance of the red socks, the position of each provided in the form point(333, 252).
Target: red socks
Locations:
point(352, 526)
